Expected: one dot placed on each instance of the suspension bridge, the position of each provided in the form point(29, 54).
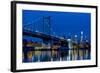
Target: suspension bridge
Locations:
point(41, 28)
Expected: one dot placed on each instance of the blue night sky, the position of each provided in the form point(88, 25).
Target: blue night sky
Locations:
point(62, 23)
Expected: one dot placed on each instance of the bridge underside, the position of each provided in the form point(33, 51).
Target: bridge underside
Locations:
point(45, 37)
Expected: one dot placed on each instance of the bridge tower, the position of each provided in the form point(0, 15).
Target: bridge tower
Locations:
point(46, 25)
point(46, 28)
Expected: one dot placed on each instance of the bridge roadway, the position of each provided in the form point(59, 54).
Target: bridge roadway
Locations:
point(43, 36)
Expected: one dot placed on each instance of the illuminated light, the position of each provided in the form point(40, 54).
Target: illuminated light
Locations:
point(75, 36)
point(36, 31)
point(81, 32)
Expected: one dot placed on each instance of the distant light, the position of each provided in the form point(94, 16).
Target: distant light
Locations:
point(36, 31)
point(81, 32)
point(68, 39)
point(75, 36)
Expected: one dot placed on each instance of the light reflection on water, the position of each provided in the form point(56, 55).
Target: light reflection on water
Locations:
point(57, 55)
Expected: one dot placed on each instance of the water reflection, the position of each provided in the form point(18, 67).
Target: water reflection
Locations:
point(45, 55)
